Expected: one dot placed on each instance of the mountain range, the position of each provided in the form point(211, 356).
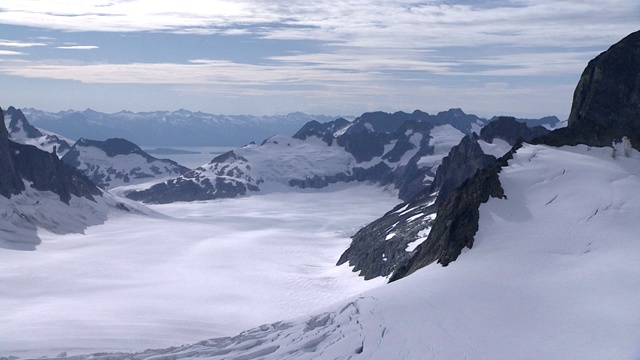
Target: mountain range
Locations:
point(536, 231)
point(188, 128)
point(169, 128)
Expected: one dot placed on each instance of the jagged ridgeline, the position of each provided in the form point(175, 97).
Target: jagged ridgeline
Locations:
point(401, 150)
point(606, 109)
point(38, 190)
point(388, 243)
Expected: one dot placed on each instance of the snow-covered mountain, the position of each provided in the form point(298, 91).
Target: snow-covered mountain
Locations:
point(399, 149)
point(404, 155)
point(553, 274)
point(39, 191)
point(117, 162)
point(540, 251)
point(170, 128)
point(21, 131)
point(387, 243)
point(540, 246)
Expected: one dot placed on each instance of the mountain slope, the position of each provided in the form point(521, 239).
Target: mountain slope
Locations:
point(552, 275)
point(40, 191)
point(379, 248)
point(116, 162)
point(21, 131)
point(405, 158)
point(170, 128)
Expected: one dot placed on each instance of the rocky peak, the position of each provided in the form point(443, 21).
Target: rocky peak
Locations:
point(44, 170)
point(461, 163)
point(19, 122)
point(510, 130)
point(10, 181)
point(111, 147)
point(606, 102)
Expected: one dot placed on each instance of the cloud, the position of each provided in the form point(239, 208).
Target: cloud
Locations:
point(19, 44)
point(356, 23)
point(11, 53)
point(78, 47)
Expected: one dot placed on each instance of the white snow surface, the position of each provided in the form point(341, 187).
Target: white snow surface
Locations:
point(496, 148)
point(46, 142)
point(113, 170)
point(443, 138)
point(205, 269)
point(22, 215)
point(553, 274)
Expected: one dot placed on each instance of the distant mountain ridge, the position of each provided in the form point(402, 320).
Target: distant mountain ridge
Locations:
point(400, 149)
point(38, 190)
point(170, 128)
point(188, 128)
point(116, 162)
point(23, 132)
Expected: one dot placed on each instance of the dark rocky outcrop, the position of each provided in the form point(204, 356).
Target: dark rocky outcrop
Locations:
point(457, 220)
point(510, 130)
point(19, 122)
point(10, 179)
point(324, 131)
point(462, 163)
point(380, 248)
point(227, 177)
point(21, 131)
point(44, 170)
point(106, 172)
point(606, 102)
point(548, 122)
point(606, 108)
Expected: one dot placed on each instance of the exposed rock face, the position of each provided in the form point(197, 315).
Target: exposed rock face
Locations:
point(44, 170)
point(606, 102)
point(457, 220)
point(510, 130)
point(10, 179)
point(117, 162)
point(21, 131)
point(381, 247)
point(462, 163)
point(230, 179)
point(19, 123)
point(548, 122)
point(324, 131)
point(606, 107)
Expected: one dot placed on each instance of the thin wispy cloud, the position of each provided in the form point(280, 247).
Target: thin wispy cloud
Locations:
point(19, 44)
point(332, 47)
point(78, 47)
point(10, 53)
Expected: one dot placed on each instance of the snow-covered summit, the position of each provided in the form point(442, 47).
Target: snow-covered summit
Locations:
point(21, 131)
point(117, 162)
point(39, 191)
point(315, 158)
point(553, 274)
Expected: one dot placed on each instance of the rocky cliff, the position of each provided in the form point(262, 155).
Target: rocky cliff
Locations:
point(116, 162)
point(21, 131)
point(389, 242)
point(606, 102)
point(606, 108)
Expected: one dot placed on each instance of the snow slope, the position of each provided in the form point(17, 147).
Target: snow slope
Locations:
point(553, 274)
point(117, 162)
point(405, 158)
point(206, 269)
point(24, 215)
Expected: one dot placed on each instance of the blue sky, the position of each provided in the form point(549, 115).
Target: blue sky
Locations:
point(496, 57)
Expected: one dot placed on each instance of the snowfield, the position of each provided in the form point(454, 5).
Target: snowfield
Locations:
point(203, 270)
point(553, 274)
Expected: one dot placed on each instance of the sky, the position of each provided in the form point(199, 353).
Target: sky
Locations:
point(257, 57)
